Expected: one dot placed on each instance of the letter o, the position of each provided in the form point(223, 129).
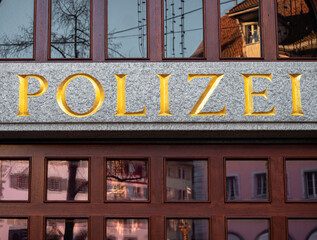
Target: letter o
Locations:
point(99, 95)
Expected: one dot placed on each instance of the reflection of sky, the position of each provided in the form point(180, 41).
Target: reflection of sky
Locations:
point(193, 27)
point(13, 15)
point(123, 19)
point(226, 5)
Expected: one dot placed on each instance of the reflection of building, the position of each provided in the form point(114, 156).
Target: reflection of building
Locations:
point(12, 229)
point(127, 229)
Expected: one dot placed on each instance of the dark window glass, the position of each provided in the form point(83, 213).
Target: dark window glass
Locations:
point(302, 229)
point(67, 180)
point(127, 28)
point(183, 28)
point(127, 229)
point(13, 229)
point(70, 29)
point(191, 229)
point(14, 183)
point(257, 229)
point(127, 180)
point(16, 28)
point(297, 28)
point(66, 229)
point(240, 28)
point(252, 176)
point(187, 180)
point(301, 180)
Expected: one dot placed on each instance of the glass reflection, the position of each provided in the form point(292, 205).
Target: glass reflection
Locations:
point(302, 229)
point(127, 180)
point(186, 180)
point(13, 228)
point(301, 180)
point(127, 36)
point(246, 180)
point(66, 229)
point(191, 229)
point(67, 180)
point(239, 229)
point(183, 28)
point(122, 229)
point(14, 183)
point(297, 28)
point(240, 28)
point(70, 29)
point(16, 28)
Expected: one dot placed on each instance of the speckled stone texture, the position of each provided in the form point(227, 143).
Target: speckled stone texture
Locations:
point(143, 89)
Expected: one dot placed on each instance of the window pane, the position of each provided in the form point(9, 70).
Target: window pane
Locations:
point(240, 29)
point(127, 29)
point(16, 28)
point(302, 229)
point(246, 180)
point(67, 180)
point(14, 185)
point(127, 229)
point(239, 229)
point(179, 229)
point(127, 180)
point(183, 29)
point(70, 28)
point(301, 180)
point(13, 228)
point(186, 180)
point(297, 28)
point(66, 229)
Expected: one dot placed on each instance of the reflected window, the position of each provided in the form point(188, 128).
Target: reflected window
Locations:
point(240, 29)
point(302, 228)
point(253, 182)
point(127, 180)
point(14, 183)
point(127, 229)
point(297, 28)
point(70, 29)
point(248, 229)
point(186, 180)
point(14, 228)
point(127, 36)
point(179, 229)
point(67, 180)
point(301, 180)
point(66, 229)
point(232, 188)
point(183, 29)
point(16, 28)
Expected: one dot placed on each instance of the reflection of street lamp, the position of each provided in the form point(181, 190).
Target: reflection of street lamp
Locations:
point(185, 228)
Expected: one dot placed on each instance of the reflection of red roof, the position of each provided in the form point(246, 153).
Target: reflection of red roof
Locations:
point(244, 6)
point(288, 8)
point(231, 38)
point(199, 51)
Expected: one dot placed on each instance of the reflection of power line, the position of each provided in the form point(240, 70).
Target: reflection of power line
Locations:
point(221, 3)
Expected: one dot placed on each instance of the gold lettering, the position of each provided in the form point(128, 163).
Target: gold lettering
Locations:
point(248, 87)
point(297, 102)
point(23, 92)
point(215, 80)
point(121, 99)
point(61, 95)
point(165, 110)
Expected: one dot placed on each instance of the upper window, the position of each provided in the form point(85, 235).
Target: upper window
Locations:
point(183, 29)
point(297, 28)
point(16, 29)
point(127, 36)
point(70, 29)
point(240, 29)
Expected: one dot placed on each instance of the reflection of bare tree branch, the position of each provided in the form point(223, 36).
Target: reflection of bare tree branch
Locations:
point(124, 179)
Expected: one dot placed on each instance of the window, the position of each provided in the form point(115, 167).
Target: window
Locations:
point(258, 229)
point(232, 188)
point(302, 228)
point(66, 228)
point(127, 229)
point(14, 228)
point(260, 185)
point(311, 184)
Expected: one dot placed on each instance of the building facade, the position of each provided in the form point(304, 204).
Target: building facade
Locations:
point(158, 119)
